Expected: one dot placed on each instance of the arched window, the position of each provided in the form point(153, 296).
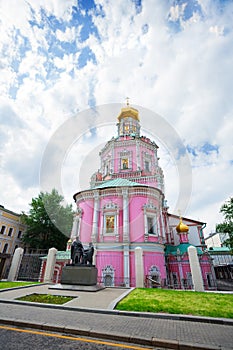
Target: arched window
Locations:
point(5, 248)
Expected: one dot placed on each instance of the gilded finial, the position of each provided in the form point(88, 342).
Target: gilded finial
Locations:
point(181, 227)
point(127, 101)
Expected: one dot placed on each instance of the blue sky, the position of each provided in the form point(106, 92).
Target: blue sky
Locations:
point(59, 58)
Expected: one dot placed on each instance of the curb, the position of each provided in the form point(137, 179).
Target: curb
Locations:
point(22, 287)
point(155, 342)
point(177, 317)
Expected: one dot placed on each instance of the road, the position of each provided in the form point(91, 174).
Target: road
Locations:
point(15, 338)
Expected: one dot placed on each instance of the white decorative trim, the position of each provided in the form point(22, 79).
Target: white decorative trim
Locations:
point(108, 271)
point(150, 212)
point(110, 209)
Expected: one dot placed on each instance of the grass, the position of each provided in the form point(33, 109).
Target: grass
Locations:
point(178, 302)
point(6, 284)
point(46, 298)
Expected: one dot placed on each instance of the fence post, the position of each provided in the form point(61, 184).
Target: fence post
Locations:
point(195, 269)
point(50, 264)
point(139, 268)
point(15, 264)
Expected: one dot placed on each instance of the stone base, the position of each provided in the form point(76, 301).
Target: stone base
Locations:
point(82, 275)
point(76, 287)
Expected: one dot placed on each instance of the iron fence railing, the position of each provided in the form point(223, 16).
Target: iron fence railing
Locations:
point(30, 267)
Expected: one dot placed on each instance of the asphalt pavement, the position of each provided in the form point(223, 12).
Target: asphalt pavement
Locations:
point(92, 314)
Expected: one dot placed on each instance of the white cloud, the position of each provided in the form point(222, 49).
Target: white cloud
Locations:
point(185, 74)
point(69, 34)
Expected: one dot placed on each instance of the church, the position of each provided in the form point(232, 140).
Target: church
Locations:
point(125, 208)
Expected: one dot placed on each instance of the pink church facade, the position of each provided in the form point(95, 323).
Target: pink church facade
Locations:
point(125, 208)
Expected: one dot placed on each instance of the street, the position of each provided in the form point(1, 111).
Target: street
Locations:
point(14, 338)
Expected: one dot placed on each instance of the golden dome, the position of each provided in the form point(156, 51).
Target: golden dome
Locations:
point(128, 112)
point(180, 228)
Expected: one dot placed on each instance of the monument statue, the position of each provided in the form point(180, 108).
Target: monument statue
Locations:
point(88, 255)
point(79, 256)
point(80, 273)
point(77, 252)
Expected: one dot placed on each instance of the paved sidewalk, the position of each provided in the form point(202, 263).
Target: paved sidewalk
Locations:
point(90, 314)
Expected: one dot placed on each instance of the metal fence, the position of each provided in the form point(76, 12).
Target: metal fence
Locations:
point(30, 267)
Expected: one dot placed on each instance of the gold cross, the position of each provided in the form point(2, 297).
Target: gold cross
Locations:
point(179, 212)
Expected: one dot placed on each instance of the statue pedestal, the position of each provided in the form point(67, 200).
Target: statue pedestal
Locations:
point(78, 278)
point(81, 275)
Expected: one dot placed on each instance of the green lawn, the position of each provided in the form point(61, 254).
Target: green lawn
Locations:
point(5, 284)
point(46, 298)
point(178, 302)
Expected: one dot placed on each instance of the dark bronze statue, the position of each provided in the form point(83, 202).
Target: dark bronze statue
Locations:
point(77, 252)
point(79, 256)
point(88, 255)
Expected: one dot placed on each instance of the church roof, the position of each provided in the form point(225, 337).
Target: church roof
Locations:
point(183, 248)
point(119, 182)
point(60, 255)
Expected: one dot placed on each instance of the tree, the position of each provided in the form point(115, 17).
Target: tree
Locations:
point(227, 225)
point(48, 222)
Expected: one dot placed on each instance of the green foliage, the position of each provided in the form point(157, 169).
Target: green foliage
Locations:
point(46, 298)
point(178, 302)
point(227, 225)
point(48, 223)
point(6, 284)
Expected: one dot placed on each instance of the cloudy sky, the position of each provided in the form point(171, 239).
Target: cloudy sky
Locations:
point(62, 57)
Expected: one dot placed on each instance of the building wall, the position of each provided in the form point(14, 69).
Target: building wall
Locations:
point(13, 231)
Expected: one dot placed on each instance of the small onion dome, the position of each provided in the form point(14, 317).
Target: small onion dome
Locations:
point(180, 228)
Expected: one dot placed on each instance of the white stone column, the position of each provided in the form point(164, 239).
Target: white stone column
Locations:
point(145, 226)
point(126, 266)
point(15, 264)
point(94, 257)
point(139, 268)
point(125, 215)
point(195, 269)
point(50, 264)
point(74, 231)
point(138, 158)
point(95, 217)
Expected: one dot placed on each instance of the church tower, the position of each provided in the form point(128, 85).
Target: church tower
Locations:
point(130, 155)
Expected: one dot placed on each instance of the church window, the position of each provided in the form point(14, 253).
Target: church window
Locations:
point(110, 226)
point(147, 165)
point(19, 234)
point(124, 163)
point(151, 225)
point(110, 223)
point(126, 128)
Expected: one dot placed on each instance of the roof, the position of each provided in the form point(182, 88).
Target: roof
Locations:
point(9, 211)
point(186, 219)
point(183, 248)
point(119, 182)
point(60, 255)
point(219, 249)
